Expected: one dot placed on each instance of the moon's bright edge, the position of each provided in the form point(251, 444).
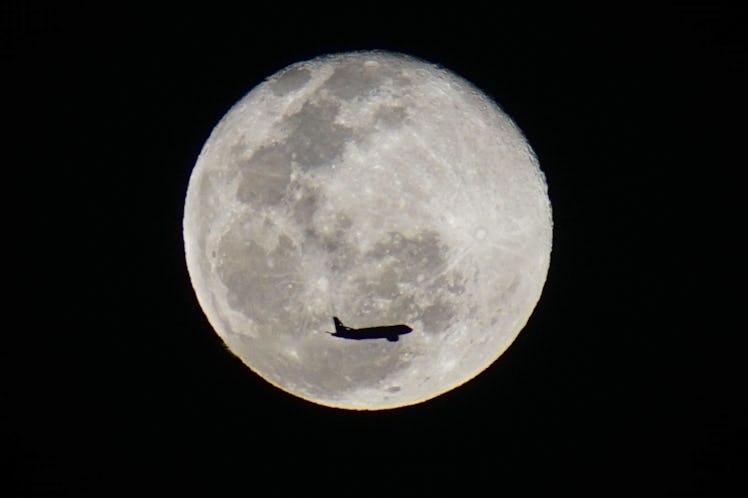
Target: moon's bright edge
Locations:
point(381, 189)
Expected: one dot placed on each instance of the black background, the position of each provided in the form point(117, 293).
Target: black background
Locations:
point(629, 377)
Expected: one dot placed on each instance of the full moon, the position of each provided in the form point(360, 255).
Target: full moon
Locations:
point(380, 189)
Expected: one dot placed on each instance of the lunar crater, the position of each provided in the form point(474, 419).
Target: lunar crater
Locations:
point(357, 80)
point(290, 80)
point(316, 139)
point(389, 117)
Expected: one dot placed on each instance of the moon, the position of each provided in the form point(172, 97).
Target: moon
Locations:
point(381, 189)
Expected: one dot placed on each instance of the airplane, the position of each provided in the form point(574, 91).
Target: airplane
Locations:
point(391, 332)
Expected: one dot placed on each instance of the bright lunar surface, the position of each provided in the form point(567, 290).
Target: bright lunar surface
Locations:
point(383, 190)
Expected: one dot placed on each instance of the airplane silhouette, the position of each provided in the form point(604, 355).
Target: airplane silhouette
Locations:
point(391, 332)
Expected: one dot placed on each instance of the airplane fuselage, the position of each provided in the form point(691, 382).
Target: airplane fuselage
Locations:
point(390, 332)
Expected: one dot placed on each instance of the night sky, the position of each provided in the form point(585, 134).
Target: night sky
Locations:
point(629, 377)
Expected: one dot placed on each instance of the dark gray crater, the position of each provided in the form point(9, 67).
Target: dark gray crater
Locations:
point(313, 139)
point(316, 139)
point(291, 80)
point(355, 80)
point(254, 276)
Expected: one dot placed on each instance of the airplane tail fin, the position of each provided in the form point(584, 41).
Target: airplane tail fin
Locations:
point(339, 327)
